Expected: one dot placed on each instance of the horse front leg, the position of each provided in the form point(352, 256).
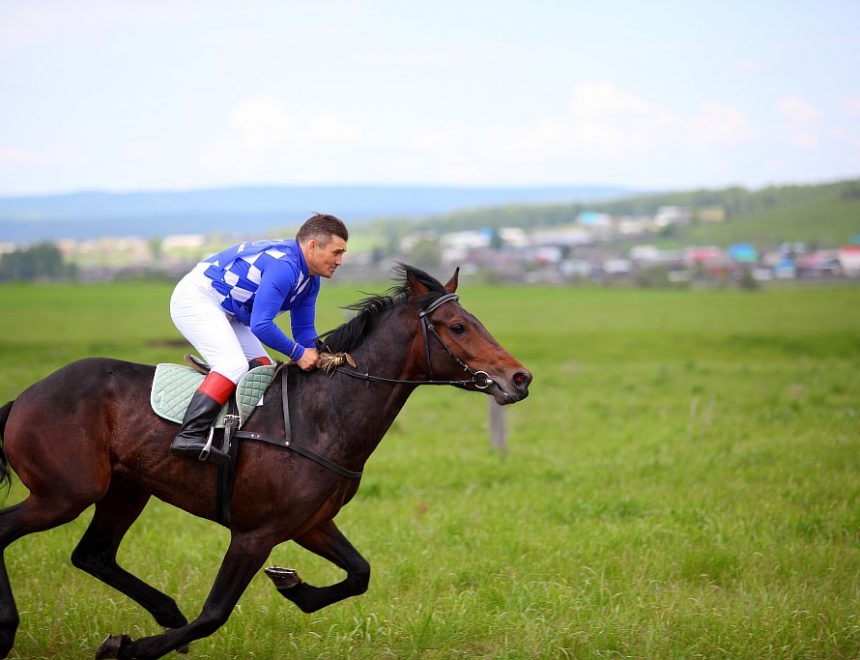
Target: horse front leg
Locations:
point(244, 558)
point(327, 541)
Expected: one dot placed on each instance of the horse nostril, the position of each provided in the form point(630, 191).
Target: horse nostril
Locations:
point(522, 379)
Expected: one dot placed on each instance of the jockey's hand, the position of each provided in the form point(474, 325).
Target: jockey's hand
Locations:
point(308, 360)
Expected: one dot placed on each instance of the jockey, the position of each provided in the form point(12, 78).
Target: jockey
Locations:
point(226, 306)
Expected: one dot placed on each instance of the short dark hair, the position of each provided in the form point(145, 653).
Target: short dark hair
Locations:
point(322, 227)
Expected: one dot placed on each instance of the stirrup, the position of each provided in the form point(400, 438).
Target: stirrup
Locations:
point(207, 448)
point(220, 455)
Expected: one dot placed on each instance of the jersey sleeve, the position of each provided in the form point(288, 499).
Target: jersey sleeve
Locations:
point(277, 282)
point(303, 315)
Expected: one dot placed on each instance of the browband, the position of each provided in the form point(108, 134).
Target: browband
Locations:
point(441, 300)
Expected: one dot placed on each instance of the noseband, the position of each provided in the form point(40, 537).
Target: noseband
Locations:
point(480, 379)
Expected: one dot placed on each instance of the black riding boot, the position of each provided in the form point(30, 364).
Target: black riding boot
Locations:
point(192, 438)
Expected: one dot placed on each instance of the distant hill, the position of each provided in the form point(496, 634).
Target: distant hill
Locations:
point(824, 214)
point(255, 209)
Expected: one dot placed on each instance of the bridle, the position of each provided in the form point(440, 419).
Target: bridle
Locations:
point(479, 379)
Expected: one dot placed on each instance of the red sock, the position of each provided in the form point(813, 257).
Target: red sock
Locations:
point(217, 387)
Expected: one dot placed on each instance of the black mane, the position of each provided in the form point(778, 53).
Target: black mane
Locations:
point(368, 311)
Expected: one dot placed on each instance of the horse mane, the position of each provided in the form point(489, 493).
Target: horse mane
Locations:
point(369, 310)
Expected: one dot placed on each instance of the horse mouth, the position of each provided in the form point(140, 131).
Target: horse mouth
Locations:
point(506, 398)
point(515, 389)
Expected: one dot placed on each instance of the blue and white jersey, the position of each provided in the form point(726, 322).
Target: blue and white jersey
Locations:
point(261, 279)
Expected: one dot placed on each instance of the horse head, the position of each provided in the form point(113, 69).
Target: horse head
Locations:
point(453, 341)
point(434, 338)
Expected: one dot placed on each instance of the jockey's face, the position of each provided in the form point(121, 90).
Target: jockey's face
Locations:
point(323, 260)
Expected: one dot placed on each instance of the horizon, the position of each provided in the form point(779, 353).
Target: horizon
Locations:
point(118, 97)
point(624, 191)
point(345, 185)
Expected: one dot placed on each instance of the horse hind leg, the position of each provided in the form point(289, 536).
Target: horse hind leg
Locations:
point(8, 613)
point(35, 514)
point(8, 609)
point(96, 552)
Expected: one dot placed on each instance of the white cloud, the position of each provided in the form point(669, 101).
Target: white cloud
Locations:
point(261, 123)
point(601, 100)
point(719, 125)
point(605, 115)
point(430, 141)
point(800, 121)
point(608, 133)
point(605, 123)
point(797, 110)
point(603, 133)
point(264, 136)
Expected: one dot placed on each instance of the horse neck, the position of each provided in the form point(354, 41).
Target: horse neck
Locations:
point(367, 408)
point(391, 350)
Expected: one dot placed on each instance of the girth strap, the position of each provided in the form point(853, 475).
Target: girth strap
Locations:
point(226, 472)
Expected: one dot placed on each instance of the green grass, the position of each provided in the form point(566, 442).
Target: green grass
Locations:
point(683, 482)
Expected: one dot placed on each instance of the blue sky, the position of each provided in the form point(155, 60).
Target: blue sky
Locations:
point(114, 95)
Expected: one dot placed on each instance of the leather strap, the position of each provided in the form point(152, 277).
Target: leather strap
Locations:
point(225, 474)
point(287, 443)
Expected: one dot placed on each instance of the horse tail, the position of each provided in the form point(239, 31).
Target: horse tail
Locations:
point(5, 472)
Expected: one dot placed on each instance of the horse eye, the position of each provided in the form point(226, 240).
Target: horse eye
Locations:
point(458, 328)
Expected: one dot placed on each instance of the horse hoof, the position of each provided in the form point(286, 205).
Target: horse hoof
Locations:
point(283, 578)
point(110, 647)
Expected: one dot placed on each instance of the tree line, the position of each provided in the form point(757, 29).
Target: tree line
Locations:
point(42, 261)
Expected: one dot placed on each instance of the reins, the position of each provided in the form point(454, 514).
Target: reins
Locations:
point(480, 379)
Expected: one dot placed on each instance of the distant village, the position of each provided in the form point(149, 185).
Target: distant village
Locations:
point(594, 247)
point(589, 249)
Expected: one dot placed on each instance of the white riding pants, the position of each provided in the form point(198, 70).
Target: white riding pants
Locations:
point(221, 340)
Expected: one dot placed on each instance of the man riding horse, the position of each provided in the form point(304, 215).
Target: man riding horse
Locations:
point(226, 306)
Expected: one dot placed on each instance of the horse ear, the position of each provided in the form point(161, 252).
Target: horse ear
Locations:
point(451, 286)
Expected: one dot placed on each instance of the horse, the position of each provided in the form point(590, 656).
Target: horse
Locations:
point(86, 434)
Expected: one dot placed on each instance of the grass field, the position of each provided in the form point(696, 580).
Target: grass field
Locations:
point(683, 482)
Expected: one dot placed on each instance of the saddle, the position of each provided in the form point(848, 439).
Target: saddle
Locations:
point(175, 384)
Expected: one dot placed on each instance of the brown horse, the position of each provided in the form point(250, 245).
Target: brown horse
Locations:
point(86, 435)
